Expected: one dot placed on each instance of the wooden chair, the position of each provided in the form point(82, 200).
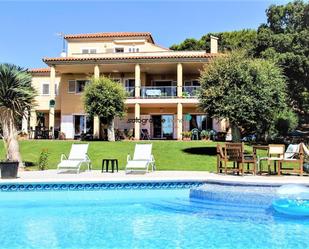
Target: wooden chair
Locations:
point(234, 152)
point(220, 158)
point(275, 154)
point(292, 157)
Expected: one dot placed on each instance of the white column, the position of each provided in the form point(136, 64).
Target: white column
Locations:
point(96, 71)
point(33, 119)
point(96, 127)
point(179, 80)
point(96, 119)
point(52, 82)
point(137, 124)
point(179, 121)
point(33, 122)
point(24, 123)
point(137, 80)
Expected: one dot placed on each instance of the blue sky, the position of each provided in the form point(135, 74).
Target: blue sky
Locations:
point(28, 29)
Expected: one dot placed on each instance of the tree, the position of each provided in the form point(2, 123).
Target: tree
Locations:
point(285, 39)
point(16, 97)
point(105, 98)
point(248, 92)
point(228, 41)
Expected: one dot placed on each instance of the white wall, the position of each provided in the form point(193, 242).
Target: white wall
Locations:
point(67, 126)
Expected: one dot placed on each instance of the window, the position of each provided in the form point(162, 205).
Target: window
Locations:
point(80, 85)
point(192, 83)
point(201, 122)
point(45, 89)
point(89, 51)
point(133, 50)
point(77, 86)
point(71, 88)
point(56, 89)
point(195, 83)
point(82, 125)
point(130, 83)
point(119, 50)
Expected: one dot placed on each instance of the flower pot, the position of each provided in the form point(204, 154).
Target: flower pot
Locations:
point(186, 139)
point(9, 170)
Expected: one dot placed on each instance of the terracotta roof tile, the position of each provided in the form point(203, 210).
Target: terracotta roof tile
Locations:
point(109, 34)
point(39, 70)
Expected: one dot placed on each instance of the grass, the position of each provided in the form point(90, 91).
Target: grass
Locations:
point(169, 155)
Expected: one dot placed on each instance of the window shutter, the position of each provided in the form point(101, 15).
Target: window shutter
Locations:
point(71, 87)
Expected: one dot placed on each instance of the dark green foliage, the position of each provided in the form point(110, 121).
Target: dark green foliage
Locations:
point(286, 121)
point(248, 92)
point(105, 98)
point(227, 41)
point(16, 91)
point(285, 39)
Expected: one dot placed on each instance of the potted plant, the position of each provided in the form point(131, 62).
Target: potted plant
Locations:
point(186, 135)
point(205, 134)
point(16, 83)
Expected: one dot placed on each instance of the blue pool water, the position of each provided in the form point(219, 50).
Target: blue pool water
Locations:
point(144, 219)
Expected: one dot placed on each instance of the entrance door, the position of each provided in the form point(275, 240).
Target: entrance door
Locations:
point(157, 126)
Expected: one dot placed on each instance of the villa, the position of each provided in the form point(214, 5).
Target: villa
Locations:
point(162, 86)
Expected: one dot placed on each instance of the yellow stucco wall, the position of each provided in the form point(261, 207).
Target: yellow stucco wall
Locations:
point(42, 101)
point(75, 47)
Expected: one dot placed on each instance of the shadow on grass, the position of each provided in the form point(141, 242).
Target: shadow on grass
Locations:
point(209, 151)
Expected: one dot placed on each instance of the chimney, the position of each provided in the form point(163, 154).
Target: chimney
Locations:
point(213, 44)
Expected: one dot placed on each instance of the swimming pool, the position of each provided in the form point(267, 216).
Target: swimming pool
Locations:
point(147, 218)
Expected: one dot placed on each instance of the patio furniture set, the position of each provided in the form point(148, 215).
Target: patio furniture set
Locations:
point(232, 157)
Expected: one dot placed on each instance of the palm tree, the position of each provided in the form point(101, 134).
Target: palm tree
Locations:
point(16, 97)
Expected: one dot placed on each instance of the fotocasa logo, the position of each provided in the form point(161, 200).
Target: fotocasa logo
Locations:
point(144, 121)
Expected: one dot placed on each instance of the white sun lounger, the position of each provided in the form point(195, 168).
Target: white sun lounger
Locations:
point(77, 157)
point(142, 159)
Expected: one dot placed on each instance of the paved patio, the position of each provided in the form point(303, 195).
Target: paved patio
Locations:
point(97, 176)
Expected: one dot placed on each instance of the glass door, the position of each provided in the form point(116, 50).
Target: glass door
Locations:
point(167, 126)
point(157, 126)
point(79, 125)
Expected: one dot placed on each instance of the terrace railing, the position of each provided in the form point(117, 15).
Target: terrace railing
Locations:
point(190, 91)
point(158, 92)
point(130, 92)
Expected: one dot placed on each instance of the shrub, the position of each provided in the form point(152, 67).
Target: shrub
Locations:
point(43, 159)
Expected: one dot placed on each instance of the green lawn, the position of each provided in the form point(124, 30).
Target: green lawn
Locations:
point(169, 155)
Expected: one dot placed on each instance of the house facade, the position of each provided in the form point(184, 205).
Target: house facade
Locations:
point(162, 86)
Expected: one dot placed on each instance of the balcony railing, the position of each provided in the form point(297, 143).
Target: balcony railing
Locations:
point(130, 92)
point(158, 92)
point(190, 91)
point(163, 92)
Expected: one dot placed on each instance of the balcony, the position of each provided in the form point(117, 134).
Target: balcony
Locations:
point(150, 92)
point(190, 91)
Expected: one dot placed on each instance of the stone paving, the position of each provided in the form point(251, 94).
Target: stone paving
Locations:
point(97, 176)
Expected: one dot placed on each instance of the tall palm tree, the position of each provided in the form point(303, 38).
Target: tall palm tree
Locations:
point(16, 97)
